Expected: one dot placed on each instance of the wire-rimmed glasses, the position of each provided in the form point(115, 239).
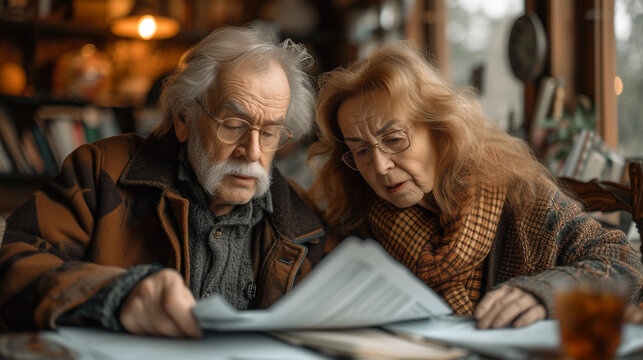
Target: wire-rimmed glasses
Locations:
point(391, 143)
point(232, 130)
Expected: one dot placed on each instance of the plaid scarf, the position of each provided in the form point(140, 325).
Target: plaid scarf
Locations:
point(447, 255)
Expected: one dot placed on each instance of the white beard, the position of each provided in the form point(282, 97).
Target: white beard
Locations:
point(211, 174)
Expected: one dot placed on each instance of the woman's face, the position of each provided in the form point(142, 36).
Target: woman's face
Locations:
point(402, 179)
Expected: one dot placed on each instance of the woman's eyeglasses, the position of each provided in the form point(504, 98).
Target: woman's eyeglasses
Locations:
point(391, 143)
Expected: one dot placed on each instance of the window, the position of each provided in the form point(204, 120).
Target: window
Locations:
point(478, 33)
point(628, 27)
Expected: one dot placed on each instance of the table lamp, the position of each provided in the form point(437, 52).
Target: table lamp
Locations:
point(147, 20)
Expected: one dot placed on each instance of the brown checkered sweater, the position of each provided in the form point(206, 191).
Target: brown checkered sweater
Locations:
point(548, 244)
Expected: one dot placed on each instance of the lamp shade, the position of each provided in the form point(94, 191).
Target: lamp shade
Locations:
point(148, 20)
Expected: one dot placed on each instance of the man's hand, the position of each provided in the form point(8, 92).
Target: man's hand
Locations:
point(508, 305)
point(161, 305)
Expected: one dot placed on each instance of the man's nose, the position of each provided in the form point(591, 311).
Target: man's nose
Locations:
point(381, 161)
point(249, 146)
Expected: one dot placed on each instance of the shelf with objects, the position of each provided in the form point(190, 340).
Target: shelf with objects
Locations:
point(37, 133)
point(67, 78)
point(570, 109)
point(79, 99)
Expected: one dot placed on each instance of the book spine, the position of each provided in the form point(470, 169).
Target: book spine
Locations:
point(580, 163)
point(31, 151)
point(45, 129)
point(537, 131)
point(572, 159)
point(78, 131)
point(5, 162)
point(10, 138)
point(62, 131)
point(45, 151)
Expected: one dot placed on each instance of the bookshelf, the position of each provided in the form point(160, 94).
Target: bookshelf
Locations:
point(37, 133)
point(38, 44)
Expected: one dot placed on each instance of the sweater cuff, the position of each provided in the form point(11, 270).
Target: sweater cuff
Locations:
point(104, 307)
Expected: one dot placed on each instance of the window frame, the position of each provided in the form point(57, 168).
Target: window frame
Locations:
point(582, 51)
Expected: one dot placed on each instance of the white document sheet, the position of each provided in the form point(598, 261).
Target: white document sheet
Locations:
point(97, 344)
point(504, 343)
point(369, 343)
point(358, 284)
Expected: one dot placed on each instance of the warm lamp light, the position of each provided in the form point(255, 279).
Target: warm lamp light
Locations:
point(146, 21)
point(147, 26)
point(618, 85)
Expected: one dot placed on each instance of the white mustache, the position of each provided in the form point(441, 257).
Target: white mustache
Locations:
point(211, 175)
point(253, 170)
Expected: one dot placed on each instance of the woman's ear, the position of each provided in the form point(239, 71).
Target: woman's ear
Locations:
point(181, 128)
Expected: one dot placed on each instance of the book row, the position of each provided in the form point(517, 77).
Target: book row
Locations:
point(39, 145)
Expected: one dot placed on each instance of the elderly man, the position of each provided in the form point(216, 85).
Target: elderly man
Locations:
point(133, 230)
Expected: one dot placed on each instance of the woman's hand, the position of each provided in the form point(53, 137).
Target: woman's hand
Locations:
point(506, 306)
point(161, 305)
point(634, 314)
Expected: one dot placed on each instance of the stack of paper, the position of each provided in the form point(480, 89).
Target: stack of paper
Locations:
point(370, 343)
point(505, 343)
point(358, 284)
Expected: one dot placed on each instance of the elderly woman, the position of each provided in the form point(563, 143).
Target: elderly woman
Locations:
point(406, 158)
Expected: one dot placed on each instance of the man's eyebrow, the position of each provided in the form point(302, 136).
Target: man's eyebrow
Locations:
point(236, 108)
point(378, 132)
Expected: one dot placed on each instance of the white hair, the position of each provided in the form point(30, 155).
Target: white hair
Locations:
point(226, 48)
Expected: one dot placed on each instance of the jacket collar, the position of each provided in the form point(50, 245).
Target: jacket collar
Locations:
point(291, 217)
point(155, 164)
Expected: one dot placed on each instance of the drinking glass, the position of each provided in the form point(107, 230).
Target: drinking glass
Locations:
point(591, 318)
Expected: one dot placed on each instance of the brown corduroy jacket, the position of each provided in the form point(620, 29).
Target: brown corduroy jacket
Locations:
point(113, 206)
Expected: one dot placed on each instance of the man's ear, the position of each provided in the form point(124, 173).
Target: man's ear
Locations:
point(180, 128)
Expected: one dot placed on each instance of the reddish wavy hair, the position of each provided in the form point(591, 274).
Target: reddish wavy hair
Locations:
point(470, 150)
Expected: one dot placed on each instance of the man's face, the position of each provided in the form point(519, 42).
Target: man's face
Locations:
point(235, 173)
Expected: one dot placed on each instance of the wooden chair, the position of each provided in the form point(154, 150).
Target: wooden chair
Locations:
point(609, 196)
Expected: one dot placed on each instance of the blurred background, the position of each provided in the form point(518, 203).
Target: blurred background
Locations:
point(551, 72)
